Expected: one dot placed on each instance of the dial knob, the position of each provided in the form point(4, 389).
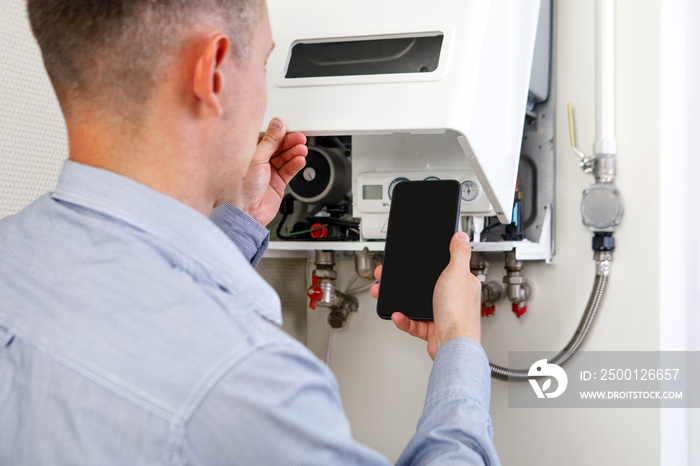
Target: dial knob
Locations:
point(394, 183)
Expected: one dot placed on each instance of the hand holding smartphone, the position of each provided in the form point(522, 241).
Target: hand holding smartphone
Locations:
point(422, 219)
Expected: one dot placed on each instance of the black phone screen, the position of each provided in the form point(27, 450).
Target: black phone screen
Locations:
point(422, 220)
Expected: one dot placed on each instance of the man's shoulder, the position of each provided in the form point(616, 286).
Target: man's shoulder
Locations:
point(158, 346)
point(120, 312)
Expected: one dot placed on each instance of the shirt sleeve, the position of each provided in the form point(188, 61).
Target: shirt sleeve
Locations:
point(281, 405)
point(246, 233)
point(455, 427)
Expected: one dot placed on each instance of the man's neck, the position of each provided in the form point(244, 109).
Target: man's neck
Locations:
point(158, 159)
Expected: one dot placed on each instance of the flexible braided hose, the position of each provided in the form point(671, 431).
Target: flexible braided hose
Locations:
point(520, 375)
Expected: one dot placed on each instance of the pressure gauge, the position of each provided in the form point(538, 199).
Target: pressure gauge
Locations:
point(470, 191)
point(394, 183)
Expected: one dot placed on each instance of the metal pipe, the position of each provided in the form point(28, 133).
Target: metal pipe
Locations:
point(365, 263)
point(519, 290)
point(605, 143)
point(584, 326)
point(323, 292)
point(605, 149)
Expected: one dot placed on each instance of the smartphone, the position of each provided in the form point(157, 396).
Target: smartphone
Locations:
point(423, 217)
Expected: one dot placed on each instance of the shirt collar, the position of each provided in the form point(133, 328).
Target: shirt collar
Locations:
point(179, 225)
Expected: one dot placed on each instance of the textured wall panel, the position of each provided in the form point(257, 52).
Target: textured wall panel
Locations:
point(288, 278)
point(33, 141)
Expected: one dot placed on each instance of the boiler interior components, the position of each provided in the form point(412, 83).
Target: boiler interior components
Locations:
point(325, 180)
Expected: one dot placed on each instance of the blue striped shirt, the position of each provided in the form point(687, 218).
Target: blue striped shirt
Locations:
point(135, 331)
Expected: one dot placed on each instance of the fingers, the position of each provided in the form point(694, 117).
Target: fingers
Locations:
point(273, 137)
point(412, 327)
point(291, 168)
point(402, 322)
point(276, 138)
point(276, 141)
point(374, 290)
point(460, 252)
point(291, 140)
point(457, 296)
point(278, 161)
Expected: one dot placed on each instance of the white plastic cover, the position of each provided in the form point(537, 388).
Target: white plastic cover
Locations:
point(477, 94)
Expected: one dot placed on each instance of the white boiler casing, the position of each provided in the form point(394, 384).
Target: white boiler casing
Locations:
point(472, 102)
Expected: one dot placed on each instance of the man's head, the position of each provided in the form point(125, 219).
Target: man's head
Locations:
point(170, 93)
point(115, 51)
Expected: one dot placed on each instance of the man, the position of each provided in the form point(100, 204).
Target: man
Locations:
point(134, 329)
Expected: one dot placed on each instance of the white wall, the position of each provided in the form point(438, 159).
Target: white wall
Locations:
point(382, 374)
point(33, 141)
point(679, 321)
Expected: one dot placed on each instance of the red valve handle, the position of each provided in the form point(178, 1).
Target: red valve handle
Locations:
point(487, 311)
point(314, 292)
point(319, 231)
point(519, 311)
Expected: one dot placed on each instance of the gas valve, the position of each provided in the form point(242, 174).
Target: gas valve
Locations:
point(322, 291)
point(491, 292)
point(519, 289)
point(314, 292)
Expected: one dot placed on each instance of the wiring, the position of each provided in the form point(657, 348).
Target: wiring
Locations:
point(362, 288)
point(278, 233)
point(487, 229)
point(327, 359)
point(290, 236)
point(350, 290)
point(351, 283)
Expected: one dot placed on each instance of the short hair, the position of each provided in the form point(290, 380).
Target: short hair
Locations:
point(115, 49)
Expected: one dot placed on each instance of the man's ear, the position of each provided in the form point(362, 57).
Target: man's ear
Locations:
point(209, 76)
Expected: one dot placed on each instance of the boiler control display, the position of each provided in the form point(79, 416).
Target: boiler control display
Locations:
point(372, 196)
point(372, 191)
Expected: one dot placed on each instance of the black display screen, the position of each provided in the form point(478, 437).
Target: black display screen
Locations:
point(422, 220)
